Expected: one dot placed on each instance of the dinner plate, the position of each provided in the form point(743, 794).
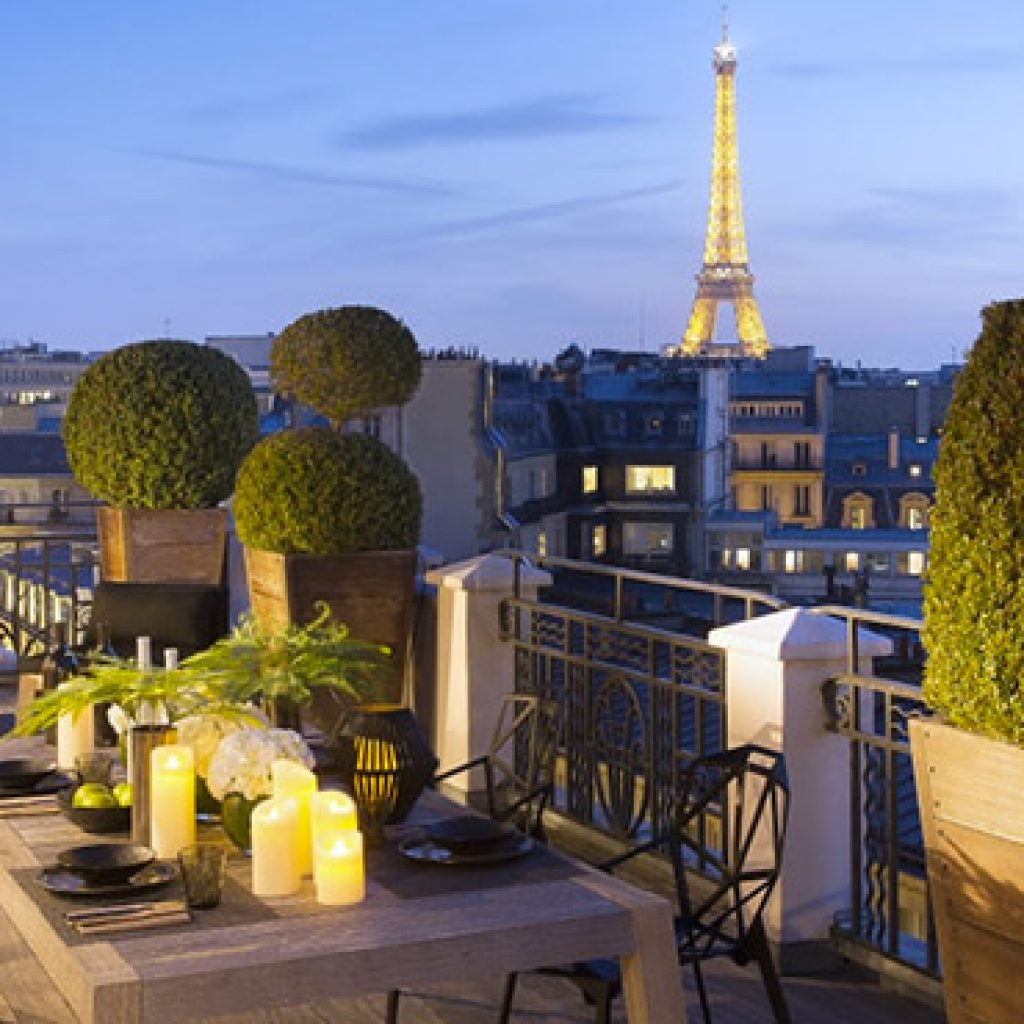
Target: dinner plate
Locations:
point(425, 850)
point(53, 783)
point(67, 883)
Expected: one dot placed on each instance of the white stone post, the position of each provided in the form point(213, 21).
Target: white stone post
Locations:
point(775, 665)
point(475, 667)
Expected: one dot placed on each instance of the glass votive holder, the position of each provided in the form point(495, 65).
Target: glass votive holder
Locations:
point(202, 872)
point(97, 766)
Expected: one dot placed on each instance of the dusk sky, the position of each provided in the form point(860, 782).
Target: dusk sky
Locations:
point(510, 174)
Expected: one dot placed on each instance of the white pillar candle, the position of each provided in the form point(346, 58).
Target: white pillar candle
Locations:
point(74, 735)
point(331, 812)
point(275, 863)
point(338, 870)
point(172, 799)
point(293, 780)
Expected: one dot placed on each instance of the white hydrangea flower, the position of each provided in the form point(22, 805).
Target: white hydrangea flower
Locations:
point(203, 734)
point(242, 761)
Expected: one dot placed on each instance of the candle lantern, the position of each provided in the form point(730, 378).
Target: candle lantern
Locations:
point(384, 761)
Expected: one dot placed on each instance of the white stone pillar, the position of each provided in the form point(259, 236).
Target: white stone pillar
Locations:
point(775, 665)
point(475, 667)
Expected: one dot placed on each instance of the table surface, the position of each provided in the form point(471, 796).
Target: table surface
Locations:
point(403, 934)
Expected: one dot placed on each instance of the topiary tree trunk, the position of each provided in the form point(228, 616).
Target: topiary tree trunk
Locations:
point(974, 598)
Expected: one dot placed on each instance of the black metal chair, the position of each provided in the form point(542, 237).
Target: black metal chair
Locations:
point(730, 822)
point(518, 770)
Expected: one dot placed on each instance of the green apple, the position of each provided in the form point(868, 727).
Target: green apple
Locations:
point(123, 794)
point(93, 794)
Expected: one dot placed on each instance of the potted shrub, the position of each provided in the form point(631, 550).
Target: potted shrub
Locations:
point(331, 516)
point(968, 759)
point(157, 430)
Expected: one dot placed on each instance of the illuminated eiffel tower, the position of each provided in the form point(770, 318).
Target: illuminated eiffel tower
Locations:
point(725, 276)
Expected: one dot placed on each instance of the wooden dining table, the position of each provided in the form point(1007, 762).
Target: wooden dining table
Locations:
point(419, 924)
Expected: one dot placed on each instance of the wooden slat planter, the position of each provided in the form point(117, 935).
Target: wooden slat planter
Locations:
point(161, 545)
point(972, 814)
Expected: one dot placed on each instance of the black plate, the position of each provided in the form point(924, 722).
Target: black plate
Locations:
point(65, 883)
point(106, 863)
point(425, 850)
point(52, 783)
point(469, 833)
point(21, 774)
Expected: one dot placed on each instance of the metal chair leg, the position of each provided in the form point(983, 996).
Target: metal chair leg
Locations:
point(702, 992)
point(763, 955)
point(392, 1013)
point(506, 1000)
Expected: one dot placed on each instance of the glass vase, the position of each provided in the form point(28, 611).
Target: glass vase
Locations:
point(236, 819)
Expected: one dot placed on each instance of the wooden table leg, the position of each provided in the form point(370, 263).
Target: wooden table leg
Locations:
point(651, 978)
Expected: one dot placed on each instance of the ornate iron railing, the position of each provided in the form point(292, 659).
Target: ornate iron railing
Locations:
point(889, 907)
point(640, 692)
point(43, 577)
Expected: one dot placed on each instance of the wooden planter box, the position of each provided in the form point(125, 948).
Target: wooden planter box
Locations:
point(972, 814)
point(372, 592)
point(162, 545)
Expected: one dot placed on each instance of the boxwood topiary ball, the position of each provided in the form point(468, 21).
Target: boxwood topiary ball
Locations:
point(160, 425)
point(319, 492)
point(344, 362)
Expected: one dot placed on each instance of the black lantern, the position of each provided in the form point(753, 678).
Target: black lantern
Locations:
point(385, 762)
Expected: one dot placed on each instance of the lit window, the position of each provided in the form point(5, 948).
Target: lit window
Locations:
point(542, 544)
point(852, 561)
point(743, 558)
point(858, 511)
point(599, 540)
point(914, 511)
point(915, 563)
point(647, 538)
point(794, 561)
point(858, 518)
point(654, 422)
point(914, 469)
point(650, 479)
point(589, 479)
point(915, 518)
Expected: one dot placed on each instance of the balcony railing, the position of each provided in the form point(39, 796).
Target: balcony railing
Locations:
point(889, 907)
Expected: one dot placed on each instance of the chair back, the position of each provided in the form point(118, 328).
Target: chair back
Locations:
point(730, 824)
point(521, 760)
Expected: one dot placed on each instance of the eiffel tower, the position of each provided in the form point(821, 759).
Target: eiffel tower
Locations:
point(725, 276)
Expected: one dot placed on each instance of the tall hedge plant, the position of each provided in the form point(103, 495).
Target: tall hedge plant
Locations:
point(974, 598)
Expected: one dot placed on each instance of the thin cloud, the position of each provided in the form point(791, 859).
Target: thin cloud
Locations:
point(964, 60)
point(299, 175)
point(254, 107)
point(540, 118)
point(545, 211)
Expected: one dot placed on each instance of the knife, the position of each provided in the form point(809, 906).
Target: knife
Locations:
point(130, 923)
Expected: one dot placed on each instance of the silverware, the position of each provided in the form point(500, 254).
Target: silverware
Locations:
point(129, 922)
point(28, 810)
point(117, 910)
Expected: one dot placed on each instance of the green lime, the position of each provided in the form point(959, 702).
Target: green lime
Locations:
point(93, 794)
point(123, 794)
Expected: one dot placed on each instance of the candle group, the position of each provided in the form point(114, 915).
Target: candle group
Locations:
point(173, 803)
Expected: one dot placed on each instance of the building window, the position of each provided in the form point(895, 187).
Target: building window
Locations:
point(645, 539)
point(766, 499)
point(801, 454)
point(743, 559)
point(858, 512)
point(768, 455)
point(589, 479)
point(911, 563)
point(914, 469)
point(914, 511)
point(852, 561)
point(599, 540)
point(794, 561)
point(542, 544)
point(802, 500)
point(650, 479)
point(615, 423)
point(859, 469)
point(685, 424)
point(372, 426)
point(654, 423)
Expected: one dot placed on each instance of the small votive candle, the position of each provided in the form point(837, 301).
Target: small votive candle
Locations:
point(173, 799)
point(295, 781)
point(332, 812)
point(275, 862)
point(338, 871)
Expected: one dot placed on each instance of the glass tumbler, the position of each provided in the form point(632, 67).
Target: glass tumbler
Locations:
point(202, 871)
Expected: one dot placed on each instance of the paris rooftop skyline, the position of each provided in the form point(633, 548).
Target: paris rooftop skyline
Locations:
point(510, 175)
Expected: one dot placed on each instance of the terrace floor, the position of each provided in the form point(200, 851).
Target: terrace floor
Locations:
point(28, 996)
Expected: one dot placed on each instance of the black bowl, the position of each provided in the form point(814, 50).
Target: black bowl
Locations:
point(105, 863)
point(22, 773)
point(99, 821)
point(468, 833)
